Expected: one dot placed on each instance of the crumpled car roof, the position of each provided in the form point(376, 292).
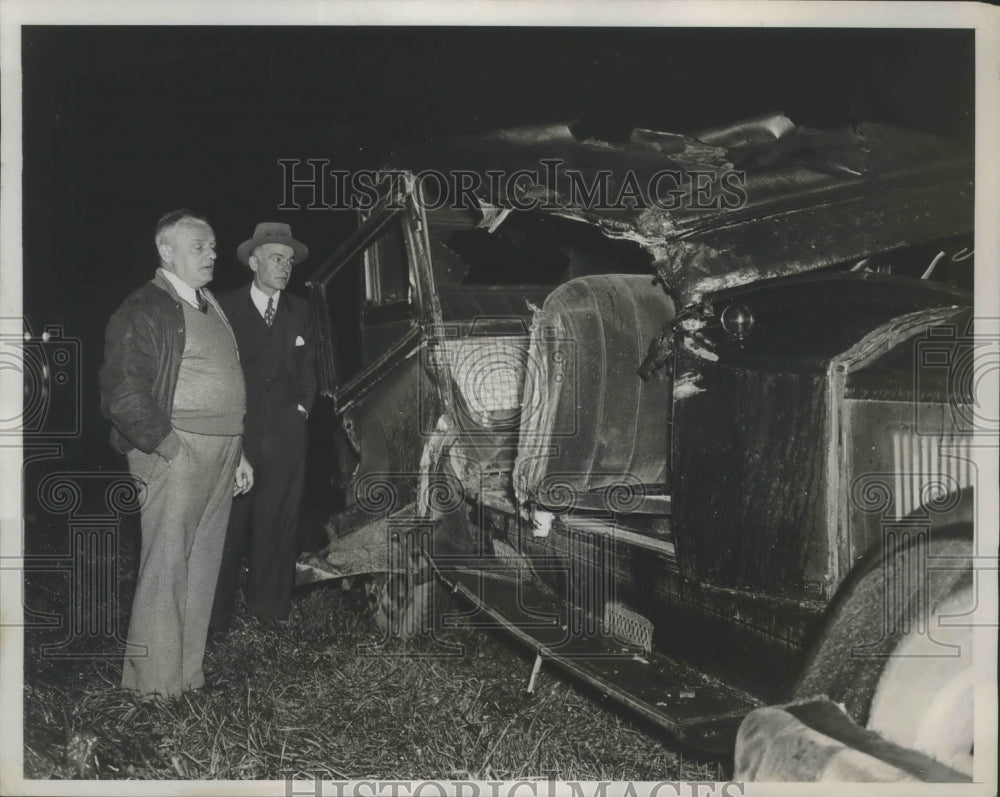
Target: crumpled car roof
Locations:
point(810, 198)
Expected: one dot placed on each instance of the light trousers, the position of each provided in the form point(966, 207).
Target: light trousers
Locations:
point(185, 505)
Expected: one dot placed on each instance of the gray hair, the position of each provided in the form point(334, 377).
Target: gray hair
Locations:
point(170, 220)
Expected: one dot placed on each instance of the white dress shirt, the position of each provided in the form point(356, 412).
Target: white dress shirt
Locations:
point(185, 291)
point(260, 299)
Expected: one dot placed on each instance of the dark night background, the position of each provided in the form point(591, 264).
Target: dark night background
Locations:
point(124, 123)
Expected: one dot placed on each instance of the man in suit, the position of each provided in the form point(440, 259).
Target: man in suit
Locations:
point(274, 332)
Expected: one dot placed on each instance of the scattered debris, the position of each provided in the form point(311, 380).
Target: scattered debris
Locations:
point(534, 673)
point(686, 385)
point(541, 523)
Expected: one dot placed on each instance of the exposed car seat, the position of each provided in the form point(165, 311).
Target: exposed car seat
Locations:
point(588, 421)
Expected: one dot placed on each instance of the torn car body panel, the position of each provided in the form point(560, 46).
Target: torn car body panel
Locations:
point(815, 741)
point(742, 203)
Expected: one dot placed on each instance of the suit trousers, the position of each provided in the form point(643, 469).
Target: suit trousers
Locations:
point(184, 511)
point(266, 522)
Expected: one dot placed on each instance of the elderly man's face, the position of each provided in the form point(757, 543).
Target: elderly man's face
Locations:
point(188, 250)
point(272, 267)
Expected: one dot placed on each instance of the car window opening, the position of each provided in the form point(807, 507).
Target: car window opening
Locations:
point(526, 250)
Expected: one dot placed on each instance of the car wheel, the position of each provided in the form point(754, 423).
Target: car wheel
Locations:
point(872, 624)
point(924, 696)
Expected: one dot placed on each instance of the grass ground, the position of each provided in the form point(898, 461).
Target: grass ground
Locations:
point(328, 696)
point(325, 696)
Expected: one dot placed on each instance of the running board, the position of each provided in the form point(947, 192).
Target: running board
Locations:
point(692, 706)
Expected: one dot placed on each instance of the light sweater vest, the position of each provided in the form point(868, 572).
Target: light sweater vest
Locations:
point(210, 397)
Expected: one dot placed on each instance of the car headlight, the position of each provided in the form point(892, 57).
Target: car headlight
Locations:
point(737, 320)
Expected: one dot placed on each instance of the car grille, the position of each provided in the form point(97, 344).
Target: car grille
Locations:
point(928, 467)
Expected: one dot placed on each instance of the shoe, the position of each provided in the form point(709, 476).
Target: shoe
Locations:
point(216, 635)
point(216, 683)
point(273, 623)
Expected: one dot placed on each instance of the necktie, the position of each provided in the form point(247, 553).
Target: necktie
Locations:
point(202, 302)
point(269, 313)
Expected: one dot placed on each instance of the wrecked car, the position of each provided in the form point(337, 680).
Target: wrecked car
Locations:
point(690, 416)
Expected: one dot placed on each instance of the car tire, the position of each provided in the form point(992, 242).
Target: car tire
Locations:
point(924, 696)
point(866, 632)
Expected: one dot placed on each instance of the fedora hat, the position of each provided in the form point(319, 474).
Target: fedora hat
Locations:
point(271, 232)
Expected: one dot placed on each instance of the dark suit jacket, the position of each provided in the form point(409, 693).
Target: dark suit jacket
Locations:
point(280, 372)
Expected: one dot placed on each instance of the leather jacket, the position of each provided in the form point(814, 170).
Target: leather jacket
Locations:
point(143, 346)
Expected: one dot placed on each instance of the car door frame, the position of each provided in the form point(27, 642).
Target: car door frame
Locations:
point(401, 202)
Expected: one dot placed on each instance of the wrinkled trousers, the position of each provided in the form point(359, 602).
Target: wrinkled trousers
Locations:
point(265, 523)
point(184, 510)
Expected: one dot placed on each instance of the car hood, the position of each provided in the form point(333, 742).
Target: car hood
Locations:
point(726, 206)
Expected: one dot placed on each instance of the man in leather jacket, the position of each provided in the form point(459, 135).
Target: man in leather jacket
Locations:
point(172, 387)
